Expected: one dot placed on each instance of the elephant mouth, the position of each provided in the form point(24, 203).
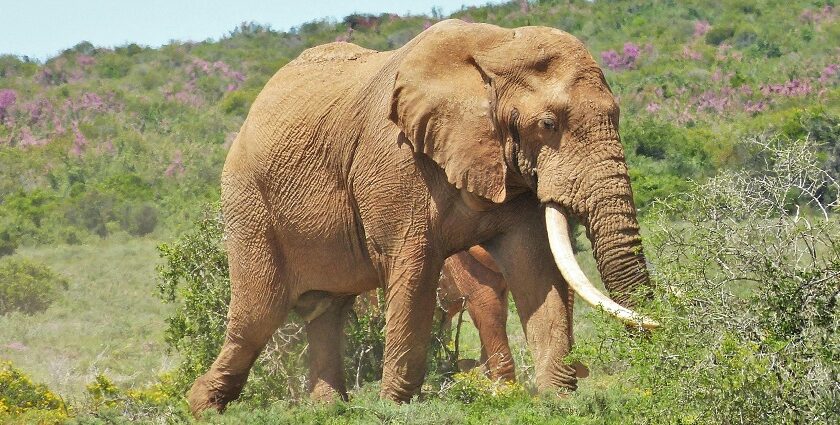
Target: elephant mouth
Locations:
point(557, 227)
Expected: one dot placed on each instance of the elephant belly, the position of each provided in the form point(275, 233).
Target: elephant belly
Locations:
point(321, 238)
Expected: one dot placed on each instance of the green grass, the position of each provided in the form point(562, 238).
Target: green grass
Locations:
point(108, 321)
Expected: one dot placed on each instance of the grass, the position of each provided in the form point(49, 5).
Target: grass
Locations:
point(108, 321)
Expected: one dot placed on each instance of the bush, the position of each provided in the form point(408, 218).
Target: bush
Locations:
point(195, 277)
point(27, 286)
point(21, 400)
point(719, 34)
point(8, 243)
point(747, 267)
point(113, 66)
point(474, 387)
point(152, 404)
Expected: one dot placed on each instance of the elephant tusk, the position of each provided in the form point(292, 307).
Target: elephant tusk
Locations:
point(561, 247)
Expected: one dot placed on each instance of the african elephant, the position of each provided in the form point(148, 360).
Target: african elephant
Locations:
point(358, 169)
point(471, 280)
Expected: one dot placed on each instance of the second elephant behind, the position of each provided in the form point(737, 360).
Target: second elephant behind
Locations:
point(472, 280)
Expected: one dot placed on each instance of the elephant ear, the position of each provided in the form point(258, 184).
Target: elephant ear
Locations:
point(444, 103)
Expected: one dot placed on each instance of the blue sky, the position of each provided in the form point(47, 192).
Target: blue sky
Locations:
point(42, 28)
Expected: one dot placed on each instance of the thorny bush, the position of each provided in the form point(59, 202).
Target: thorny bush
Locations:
point(747, 273)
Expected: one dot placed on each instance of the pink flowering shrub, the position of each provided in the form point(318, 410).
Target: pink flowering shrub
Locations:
point(701, 28)
point(811, 16)
point(689, 54)
point(93, 102)
point(828, 73)
point(27, 139)
point(8, 97)
point(789, 89)
point(85, 60)
point(619, 62)
point(79, 140)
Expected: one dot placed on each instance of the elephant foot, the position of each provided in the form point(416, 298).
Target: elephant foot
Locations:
point(398, 394)
point(561, 380)
point(206, 393)
point(581, 371)
point(323, 392)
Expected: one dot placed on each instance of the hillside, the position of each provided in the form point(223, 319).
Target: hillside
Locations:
point(133, 139)
point(106, 153)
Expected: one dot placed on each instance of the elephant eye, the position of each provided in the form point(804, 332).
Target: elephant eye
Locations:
point(547, 123)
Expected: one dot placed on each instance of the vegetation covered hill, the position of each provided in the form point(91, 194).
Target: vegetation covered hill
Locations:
point(100, 145)
point(98, 140)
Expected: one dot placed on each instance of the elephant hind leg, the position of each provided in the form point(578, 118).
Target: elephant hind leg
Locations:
point(325, 334)
point(258, 306)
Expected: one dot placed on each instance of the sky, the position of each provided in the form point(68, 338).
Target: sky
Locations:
point(43, 28)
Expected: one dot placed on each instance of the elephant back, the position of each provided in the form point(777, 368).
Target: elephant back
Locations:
point(331, 52)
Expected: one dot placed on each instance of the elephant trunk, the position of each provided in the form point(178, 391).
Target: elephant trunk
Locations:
point(561, 247)
point(616, 244)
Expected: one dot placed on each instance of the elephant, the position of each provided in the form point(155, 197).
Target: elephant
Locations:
point(357, 169)
point(471, 280)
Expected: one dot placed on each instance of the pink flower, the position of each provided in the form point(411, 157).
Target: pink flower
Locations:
point(653, 107)
point(8, 97)
point(427, 24)
point(85, 60)
point(754, 107)
point(701, 28)
point(27, 139)
point(58, 127)
point(626, 60)
point(38, 110)
point(825, 76)
point(79, 140)
point(691, 54)
point(93, 102)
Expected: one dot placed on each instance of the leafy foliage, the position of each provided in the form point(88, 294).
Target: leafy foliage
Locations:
point(748, 266)
point(194, 276)
point(21, 400)
point(27, 287)
point(167, 116)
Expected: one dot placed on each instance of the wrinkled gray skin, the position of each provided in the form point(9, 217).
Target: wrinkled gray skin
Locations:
point(358, 169)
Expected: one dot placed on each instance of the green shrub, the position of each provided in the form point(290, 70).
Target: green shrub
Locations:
point(27, 286)
point(195, 277)
point(113, 66)
point(8, 243)
point(747, 268)
point(719, 33)
point(138, 219)
point(22, 401)
point(238, 102)
point(474, 387)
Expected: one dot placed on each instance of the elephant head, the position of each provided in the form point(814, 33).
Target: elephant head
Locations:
point(505, 111)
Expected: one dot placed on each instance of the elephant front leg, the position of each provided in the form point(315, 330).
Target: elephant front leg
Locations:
point(543, 299)
point(408, 326)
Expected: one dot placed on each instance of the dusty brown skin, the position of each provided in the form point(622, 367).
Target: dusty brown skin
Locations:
point(357, 169)
point(471, 280)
